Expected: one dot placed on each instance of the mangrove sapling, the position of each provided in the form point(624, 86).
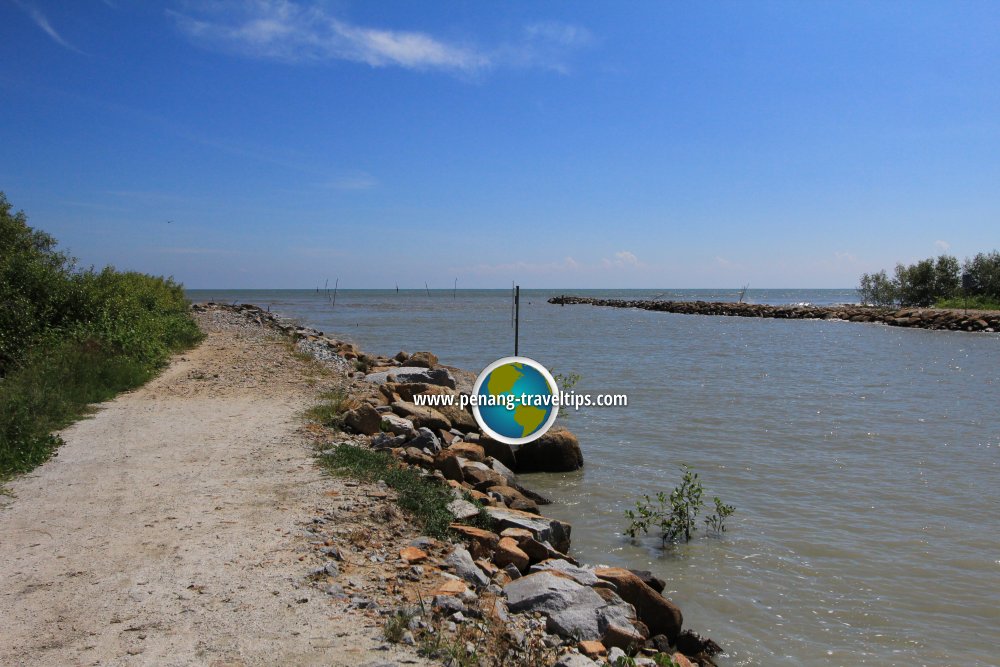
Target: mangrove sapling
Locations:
point(717, 521)
point(675, 515)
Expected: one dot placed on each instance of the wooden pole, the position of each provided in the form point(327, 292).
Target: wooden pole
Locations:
point(517, 316)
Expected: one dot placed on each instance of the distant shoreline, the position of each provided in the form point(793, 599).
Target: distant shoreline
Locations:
point(919, 318)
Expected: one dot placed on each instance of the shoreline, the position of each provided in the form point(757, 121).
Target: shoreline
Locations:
point(591, 613)
point(916, 318)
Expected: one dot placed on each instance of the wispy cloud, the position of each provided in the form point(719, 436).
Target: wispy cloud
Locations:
point(357, 181)
point(944, 246)
point(623, 259)
point(42, 22)
point(546, 45)
point(286, 31)
point(198, 251)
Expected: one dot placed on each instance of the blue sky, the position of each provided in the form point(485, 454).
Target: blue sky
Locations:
point(559, 144)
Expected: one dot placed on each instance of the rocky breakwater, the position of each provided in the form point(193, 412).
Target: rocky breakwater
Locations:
point(522, 556)
point(921, 318)
point(512, 563)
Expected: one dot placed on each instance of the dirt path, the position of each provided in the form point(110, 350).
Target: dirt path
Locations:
point(170, 529)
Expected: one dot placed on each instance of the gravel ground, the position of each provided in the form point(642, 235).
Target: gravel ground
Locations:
point(184, 522)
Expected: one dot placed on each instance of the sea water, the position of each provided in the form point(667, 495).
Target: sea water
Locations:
point(863, 460)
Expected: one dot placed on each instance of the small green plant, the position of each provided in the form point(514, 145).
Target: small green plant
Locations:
point(362, 364)
point(625, 661)
point(665, 660)
point(566, 381)
point(717, 521)
point(675, 515)
point(397, 625)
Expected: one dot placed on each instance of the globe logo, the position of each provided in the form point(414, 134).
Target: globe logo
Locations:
point(515, 400)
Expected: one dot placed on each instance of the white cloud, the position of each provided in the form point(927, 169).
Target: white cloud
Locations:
point(42, 22)
point(942, 245)
point(722, 261)
point(286, 31)
point(358, 181)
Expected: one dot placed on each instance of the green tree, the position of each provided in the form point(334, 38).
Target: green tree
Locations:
point(877, 289)
point(923, 283)
point(984, 269)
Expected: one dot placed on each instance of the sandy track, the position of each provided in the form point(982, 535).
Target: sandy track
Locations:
point(168, 530)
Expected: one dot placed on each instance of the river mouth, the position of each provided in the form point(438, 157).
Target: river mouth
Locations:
point(862, 461)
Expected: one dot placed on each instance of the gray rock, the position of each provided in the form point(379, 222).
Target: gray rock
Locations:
point(575, 660)
point(426, 440)
point(544, 529)
point(462, 509)
point(461, 561)
point(580, 575)
point(500, 468)
point(614, 654)
point(571, 608)
point(448, 604)
point(387, 441)
point(410, 374)
point(397, 425)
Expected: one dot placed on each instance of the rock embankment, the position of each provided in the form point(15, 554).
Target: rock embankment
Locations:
point(921, 318)
point(520, 561)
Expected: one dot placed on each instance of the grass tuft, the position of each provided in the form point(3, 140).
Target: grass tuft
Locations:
point(330, 411)
point(425, 498)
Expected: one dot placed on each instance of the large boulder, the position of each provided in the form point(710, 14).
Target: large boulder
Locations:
point(447, 462)
point(659, 614)
point(508, 553)
point(460, 419)
point(556, 451)
point(482, 543)
point(501, 451)
point(363, 419)
point(410, 374)
point(573, 610)
point(480, 476)
point(469, 451)
point(581, 575)
point(543, 529)
point(421, 415)
point(398, 425)
point(422, 359)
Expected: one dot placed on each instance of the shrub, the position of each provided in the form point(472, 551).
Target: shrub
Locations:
point(675, 515)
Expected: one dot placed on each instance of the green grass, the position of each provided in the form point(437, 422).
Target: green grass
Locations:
point(330, 411)
point(55, 386)
point(423, 497)
point(974, 303)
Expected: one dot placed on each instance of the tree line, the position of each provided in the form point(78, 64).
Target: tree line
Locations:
point(941, 281)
